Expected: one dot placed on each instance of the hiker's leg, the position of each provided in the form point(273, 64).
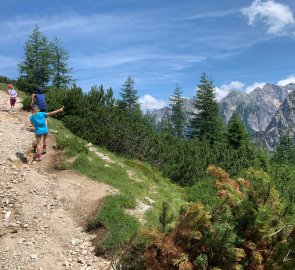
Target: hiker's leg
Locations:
point(44, 144)
point(39, 146)
point(12, 103)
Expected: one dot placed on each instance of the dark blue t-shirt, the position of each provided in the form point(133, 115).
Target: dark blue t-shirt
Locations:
point(40, 101)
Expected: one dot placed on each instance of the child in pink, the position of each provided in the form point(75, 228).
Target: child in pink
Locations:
point(12, 96)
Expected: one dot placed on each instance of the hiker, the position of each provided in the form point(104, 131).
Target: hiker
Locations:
point(38, 120)
point(12, 96)
point(39, 99)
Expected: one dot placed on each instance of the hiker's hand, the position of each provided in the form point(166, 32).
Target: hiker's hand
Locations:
point(62, 108)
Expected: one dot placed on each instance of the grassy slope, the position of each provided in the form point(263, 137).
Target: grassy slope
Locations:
point(150, 186)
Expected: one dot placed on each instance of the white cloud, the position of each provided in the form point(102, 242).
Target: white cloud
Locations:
point(284, 82)
point(252, 87)
point(276, 16)
point(224, 89)
point(148, 102)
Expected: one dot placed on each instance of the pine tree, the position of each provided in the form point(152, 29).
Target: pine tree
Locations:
point(35, 68)
point(165, 127)
point(130, 99)
point(285, 151)
point(177, 118)
point(60, 70)
point(206, 122)
point(109, 98)
point(165, 216)
point(239, 153)
point(96, 97)
point(237, 136)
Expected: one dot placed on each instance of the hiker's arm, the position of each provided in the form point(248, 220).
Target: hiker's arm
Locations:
point(33, 96)
point(55, 112)
point(32, 124)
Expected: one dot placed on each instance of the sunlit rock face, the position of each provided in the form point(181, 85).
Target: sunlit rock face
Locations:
point(267, 112)
point(256, 108)
point(283, 122)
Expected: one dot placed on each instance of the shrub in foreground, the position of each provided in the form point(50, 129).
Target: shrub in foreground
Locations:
point(249, 229)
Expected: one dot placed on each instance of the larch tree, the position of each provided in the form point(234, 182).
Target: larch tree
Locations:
point(60, 71)
point(35, 68)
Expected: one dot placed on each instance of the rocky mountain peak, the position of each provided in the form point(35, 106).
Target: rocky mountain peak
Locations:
point(256, 108)
point(282, 122)
point(266, 112)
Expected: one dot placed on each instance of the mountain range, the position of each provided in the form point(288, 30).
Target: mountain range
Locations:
point(267, 112)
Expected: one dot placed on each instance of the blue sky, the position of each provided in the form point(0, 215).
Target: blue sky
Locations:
point(240, 44)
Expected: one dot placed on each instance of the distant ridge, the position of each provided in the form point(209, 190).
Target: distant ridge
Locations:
point(267, 112)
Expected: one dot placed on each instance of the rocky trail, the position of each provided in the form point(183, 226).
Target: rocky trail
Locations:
point(42, 210)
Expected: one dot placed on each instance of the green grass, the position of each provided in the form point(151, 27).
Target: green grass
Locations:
point(203, 192)
point(148, 186)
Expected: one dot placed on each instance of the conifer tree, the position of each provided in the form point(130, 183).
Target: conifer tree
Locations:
point(60, 70)
point(35, 68)
point(109, 97)
point(165, 216)
point(237, 135)
point(238, 153)
point(205, 122)
point(285, 151)
point(96, 97)
point(177, 118)
point(165, 127)
point(130, 99)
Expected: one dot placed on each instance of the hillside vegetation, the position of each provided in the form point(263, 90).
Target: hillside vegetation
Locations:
point(203, 197)
point(141, 189)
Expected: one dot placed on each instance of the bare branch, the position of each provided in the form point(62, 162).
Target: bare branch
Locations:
point(286, 257)
point(272, 234)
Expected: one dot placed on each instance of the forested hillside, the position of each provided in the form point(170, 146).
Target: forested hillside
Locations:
point(241, 199)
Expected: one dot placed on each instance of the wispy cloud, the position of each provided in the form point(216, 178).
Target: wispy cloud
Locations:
point(223, 90)
point(212, 14)
point(289, 79)
point(276, 16)
point(125, 56)
point(98, 44)
point(148, 102)
point(253, 86)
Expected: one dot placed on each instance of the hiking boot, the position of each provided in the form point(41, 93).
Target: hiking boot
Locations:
point(43, 151)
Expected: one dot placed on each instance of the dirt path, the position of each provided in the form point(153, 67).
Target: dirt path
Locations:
point(42, 210)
